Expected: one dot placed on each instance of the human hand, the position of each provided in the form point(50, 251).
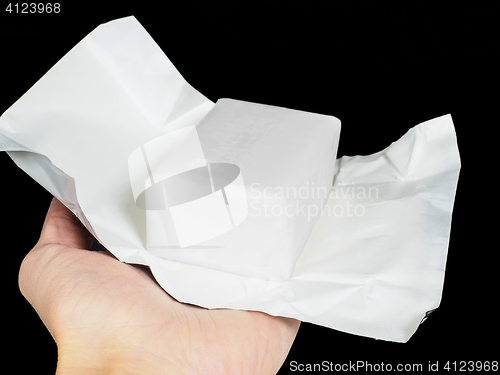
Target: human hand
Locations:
point(111, 317)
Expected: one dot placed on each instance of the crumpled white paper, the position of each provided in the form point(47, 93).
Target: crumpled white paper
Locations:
point(366, 256)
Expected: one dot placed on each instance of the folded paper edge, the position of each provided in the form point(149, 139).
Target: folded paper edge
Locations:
point(50, 177)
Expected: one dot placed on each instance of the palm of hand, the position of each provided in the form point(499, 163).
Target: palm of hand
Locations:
point(110, 316)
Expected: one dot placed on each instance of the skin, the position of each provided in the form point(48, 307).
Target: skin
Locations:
point(108, 317)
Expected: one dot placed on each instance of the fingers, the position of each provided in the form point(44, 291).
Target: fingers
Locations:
point(61, 226)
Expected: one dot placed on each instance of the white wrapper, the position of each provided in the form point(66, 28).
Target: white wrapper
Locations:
point(232, 205)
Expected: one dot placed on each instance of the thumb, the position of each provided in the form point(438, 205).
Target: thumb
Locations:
point(61, 226)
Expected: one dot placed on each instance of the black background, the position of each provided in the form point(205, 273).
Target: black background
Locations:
point(380, 67)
